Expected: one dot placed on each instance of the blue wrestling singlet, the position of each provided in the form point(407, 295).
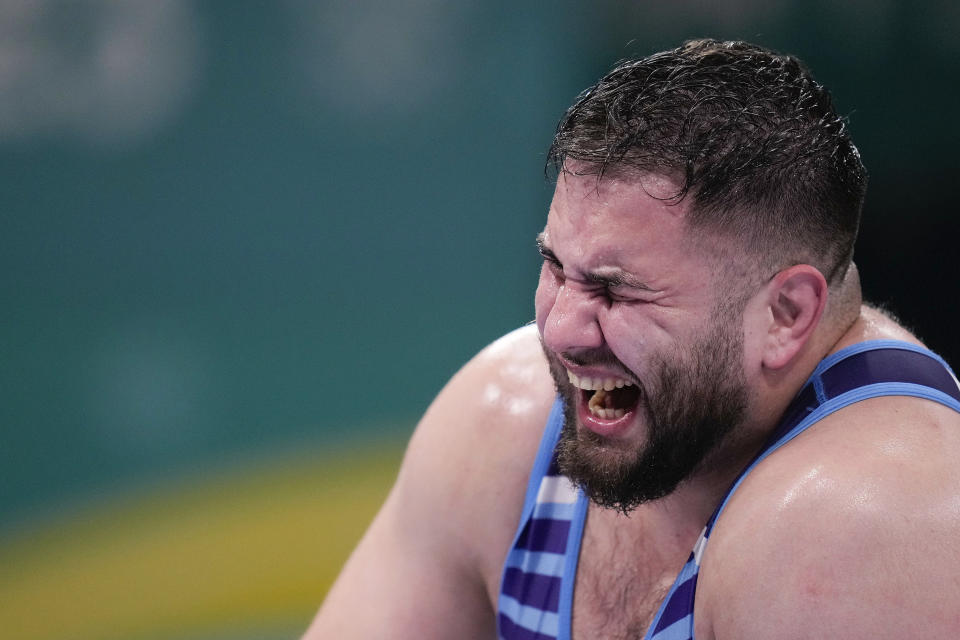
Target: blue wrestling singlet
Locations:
point(536, 591)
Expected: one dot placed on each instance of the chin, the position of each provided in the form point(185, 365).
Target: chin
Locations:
point(691, 403)
point(615, 473)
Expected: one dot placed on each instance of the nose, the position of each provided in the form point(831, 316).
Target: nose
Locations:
point(572, 323)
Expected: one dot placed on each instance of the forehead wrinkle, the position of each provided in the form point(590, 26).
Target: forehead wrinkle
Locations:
point(587, 216)
point(606, 272)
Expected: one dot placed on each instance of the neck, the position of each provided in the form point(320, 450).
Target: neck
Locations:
point(699, 495)
point(836, 328)
point(693, 502)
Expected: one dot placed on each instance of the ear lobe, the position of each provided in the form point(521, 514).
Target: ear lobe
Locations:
point(797, 298)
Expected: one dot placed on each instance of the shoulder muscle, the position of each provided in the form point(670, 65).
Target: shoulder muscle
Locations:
point(847, 532)
point(431, 557)
point(472, 451)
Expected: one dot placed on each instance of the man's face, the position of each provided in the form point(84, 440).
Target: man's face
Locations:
point(646, 353)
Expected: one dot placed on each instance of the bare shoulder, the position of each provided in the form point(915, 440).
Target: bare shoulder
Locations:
point(431, 558)
point(471, 454)
point(848, 531)
point(508, 381)
point(487, 421)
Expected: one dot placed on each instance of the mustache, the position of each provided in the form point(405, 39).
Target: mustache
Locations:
point(595, 358)
point(584, 358)
point(592, 359)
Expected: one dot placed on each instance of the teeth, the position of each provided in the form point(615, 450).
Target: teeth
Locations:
point(606, 414)
point(597, 384)
point(597, 408)
point(598, 400)
point(596, 403)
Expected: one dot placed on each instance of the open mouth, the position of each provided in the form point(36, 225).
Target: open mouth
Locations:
point(606, 398)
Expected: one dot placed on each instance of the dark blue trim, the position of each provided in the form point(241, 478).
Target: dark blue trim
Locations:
point(570, 569)
point(551, 433)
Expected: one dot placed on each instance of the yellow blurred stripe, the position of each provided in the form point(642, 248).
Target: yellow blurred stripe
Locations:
point(252, 548)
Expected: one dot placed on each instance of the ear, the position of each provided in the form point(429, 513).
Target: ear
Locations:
point(796, 299)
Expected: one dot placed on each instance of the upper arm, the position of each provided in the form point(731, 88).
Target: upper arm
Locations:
point(843, 538)
point(425, 567)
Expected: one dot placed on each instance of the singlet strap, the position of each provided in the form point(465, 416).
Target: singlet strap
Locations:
point(545, 458)
point(870, 363)
point(536, 588)
point(866, 370)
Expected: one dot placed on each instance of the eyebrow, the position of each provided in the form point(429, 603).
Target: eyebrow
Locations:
point(610, 277)
point(617, 278)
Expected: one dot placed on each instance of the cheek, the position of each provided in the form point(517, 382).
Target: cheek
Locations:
point(545, 297)
point(633, 333)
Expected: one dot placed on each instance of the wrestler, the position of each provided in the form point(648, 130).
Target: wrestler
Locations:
point(707, 433)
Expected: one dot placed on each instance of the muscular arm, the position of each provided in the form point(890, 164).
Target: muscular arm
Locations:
point(851, 533)
point(428, 564)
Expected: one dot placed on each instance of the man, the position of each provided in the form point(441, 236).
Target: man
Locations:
point(698, 315)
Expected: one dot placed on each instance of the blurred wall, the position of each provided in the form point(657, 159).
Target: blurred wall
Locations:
point(231, 233)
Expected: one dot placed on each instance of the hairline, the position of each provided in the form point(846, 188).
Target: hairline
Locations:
point(716, 238)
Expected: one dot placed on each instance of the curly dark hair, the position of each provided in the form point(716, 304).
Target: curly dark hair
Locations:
point(748, 134)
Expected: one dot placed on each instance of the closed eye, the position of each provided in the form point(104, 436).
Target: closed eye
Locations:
point(547, 254)
point(613, 297)
point(554, 264)
point(610, 284)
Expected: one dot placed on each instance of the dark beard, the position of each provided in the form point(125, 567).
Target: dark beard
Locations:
point(695, 401)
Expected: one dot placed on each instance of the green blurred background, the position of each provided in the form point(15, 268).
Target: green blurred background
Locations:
point(244, 243)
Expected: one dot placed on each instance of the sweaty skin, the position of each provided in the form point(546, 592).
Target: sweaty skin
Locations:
point(848, 531)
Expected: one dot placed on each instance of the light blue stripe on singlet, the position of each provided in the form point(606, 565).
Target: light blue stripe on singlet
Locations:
point(818, 389)
point(899, 389)
point(529, 617)
point(542, 562)
point(679, 630)
point(554, 510)
point(876, 390)
point(570, 570)
point(873, 345)
point(541, 464)
point(689, 570)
